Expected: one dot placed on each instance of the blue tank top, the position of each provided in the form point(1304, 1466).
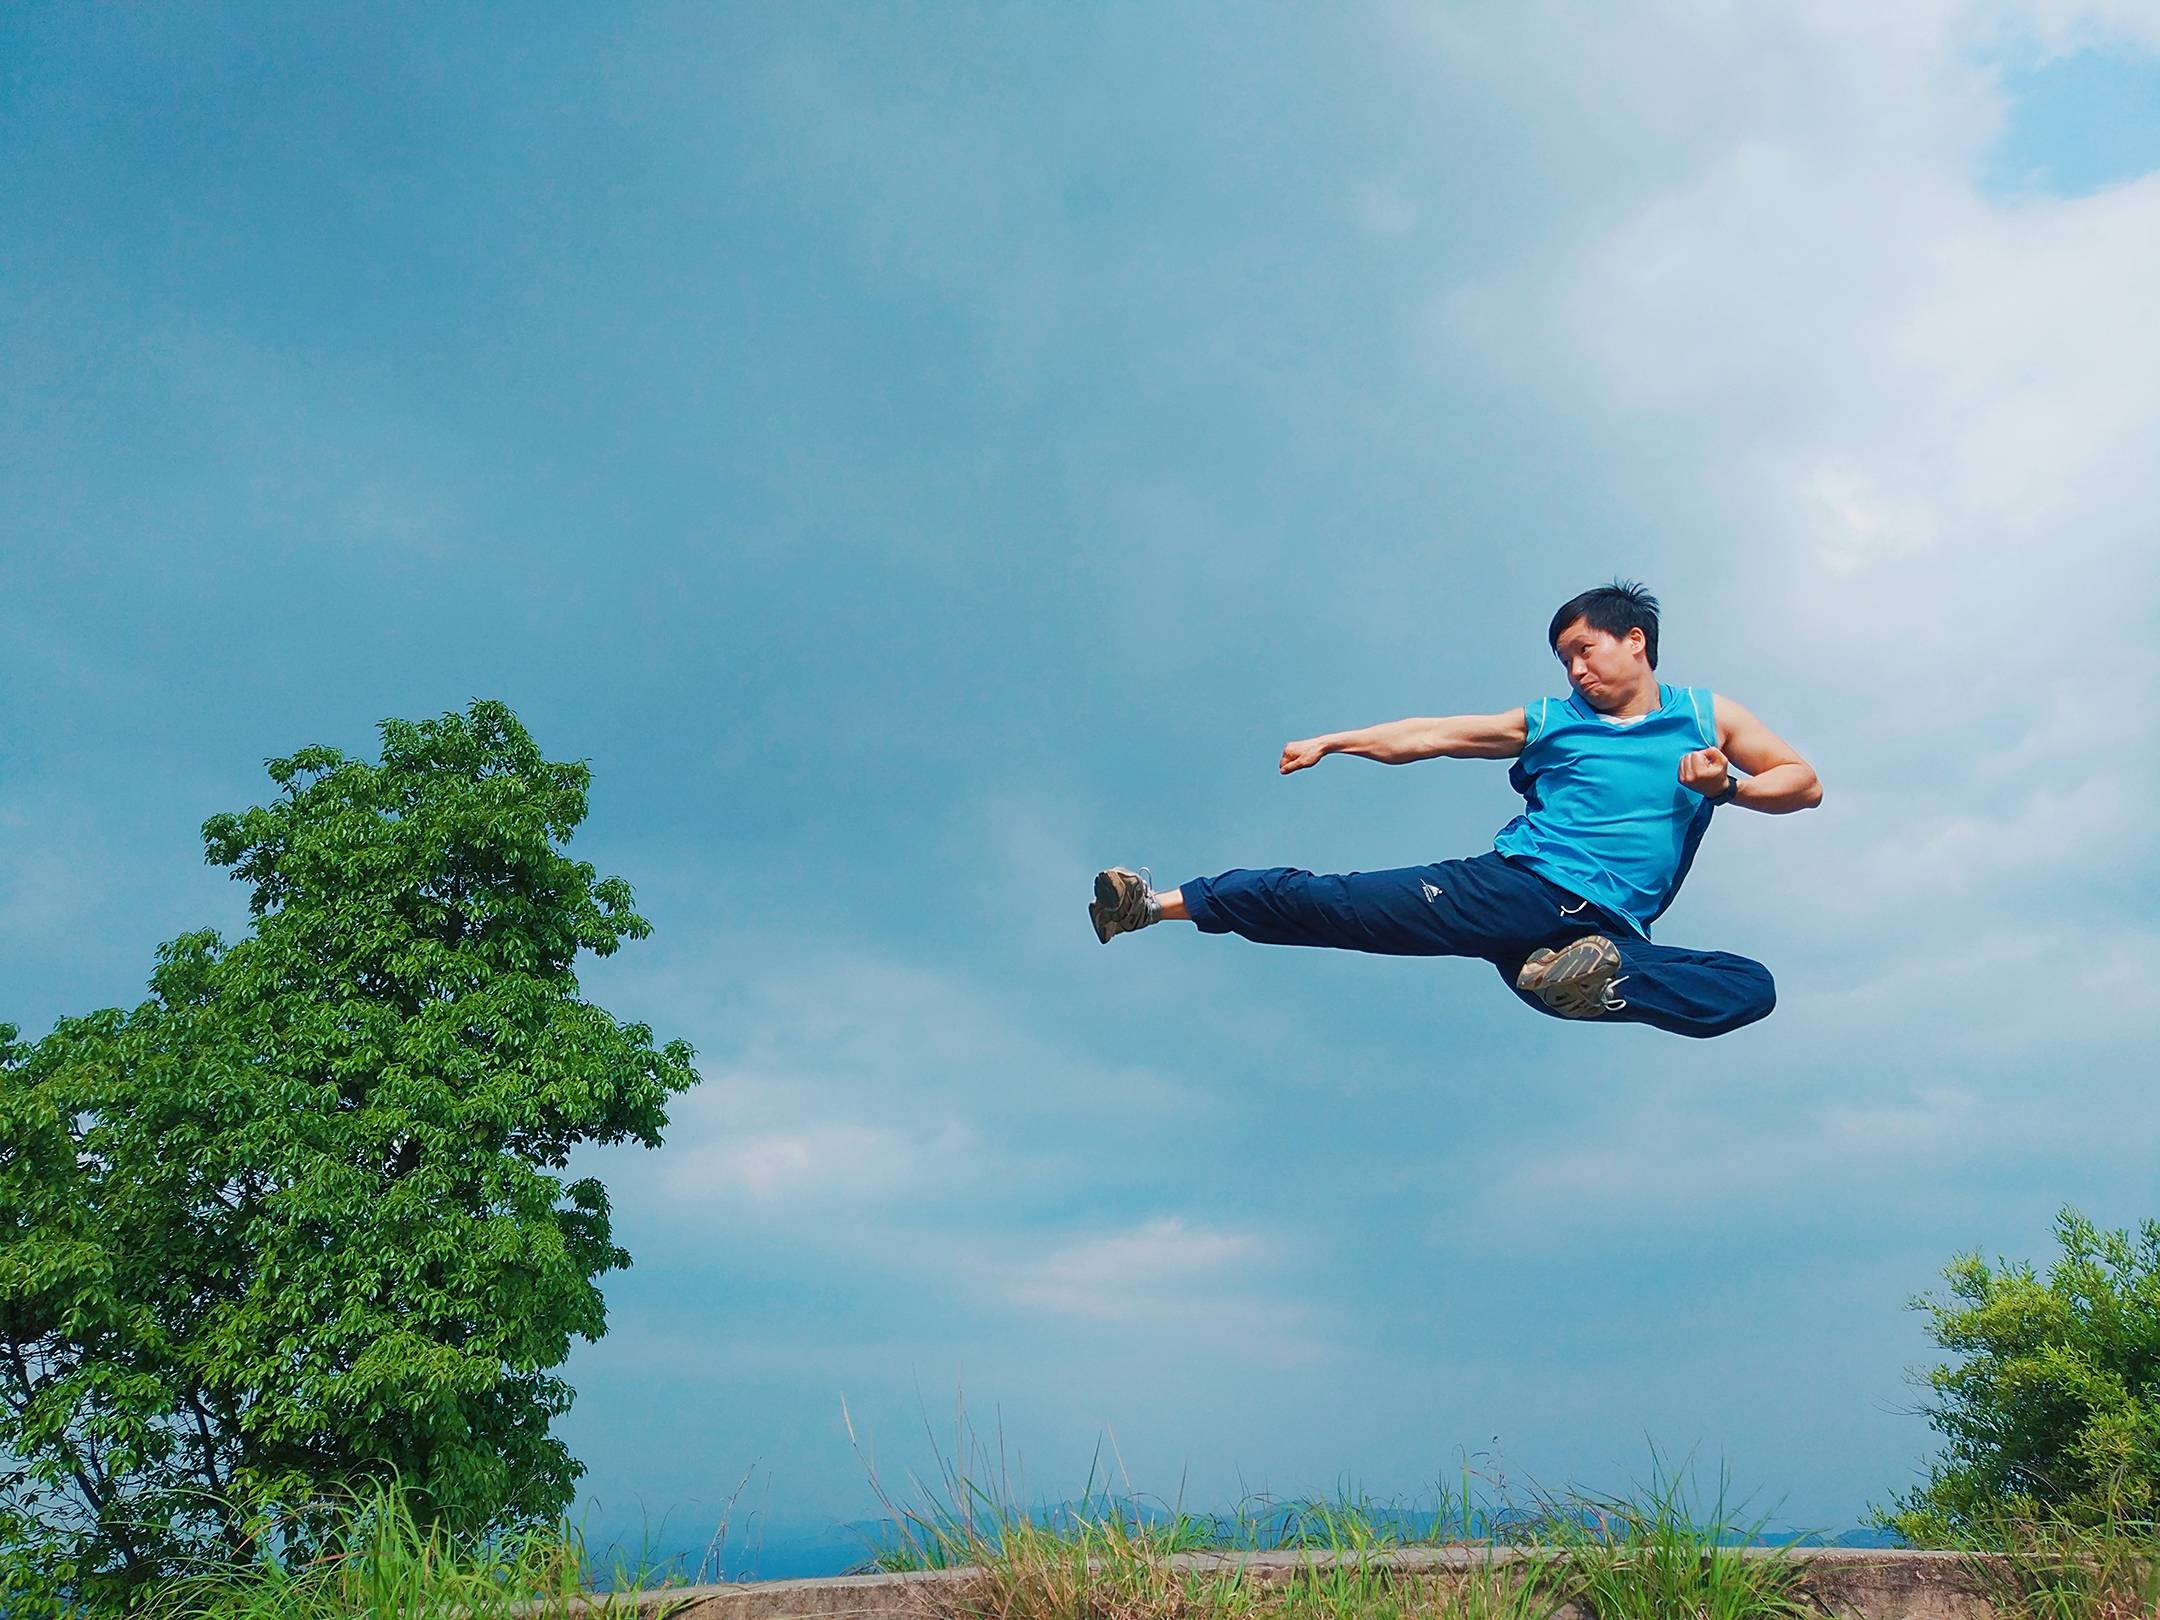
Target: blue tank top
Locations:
point(1607, 817)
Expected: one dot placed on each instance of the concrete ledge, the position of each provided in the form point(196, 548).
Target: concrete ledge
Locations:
point(1860, 1584)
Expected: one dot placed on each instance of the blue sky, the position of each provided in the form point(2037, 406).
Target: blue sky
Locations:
point(919, 455)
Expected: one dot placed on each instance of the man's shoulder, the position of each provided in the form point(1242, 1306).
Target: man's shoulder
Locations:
point(1728, 712)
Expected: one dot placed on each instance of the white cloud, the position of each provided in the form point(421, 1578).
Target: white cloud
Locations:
point(893, 1118)
point(1385, 210)
point(2062, 26)
point(855, 1085)
point(1680, 1156)
point(1162, 1267)
point(823, 1164)
point(2078, 998)
point(1164, 1292)
point(856, 1082)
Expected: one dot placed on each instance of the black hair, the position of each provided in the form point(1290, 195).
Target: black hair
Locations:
point(1615, 609)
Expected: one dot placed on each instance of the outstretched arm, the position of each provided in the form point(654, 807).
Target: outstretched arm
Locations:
point(1461, 736)
point(1778, 779)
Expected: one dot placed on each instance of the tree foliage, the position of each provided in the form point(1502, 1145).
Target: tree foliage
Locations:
point(2053, 1411)
point(298, 1219)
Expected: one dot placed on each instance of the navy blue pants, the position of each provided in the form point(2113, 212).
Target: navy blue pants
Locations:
point(1488, 907)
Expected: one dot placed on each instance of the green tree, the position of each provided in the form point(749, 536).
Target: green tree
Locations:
point(297, 1220)
point(2053, 1412)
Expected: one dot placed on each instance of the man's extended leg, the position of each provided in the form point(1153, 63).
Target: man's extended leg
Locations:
point(1487, 907)
point(1477, 907)
point(1687, 992)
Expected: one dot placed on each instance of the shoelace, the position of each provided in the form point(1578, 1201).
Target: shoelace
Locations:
point(1145, 900)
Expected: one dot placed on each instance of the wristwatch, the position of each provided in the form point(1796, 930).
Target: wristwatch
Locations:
point(1732, 790)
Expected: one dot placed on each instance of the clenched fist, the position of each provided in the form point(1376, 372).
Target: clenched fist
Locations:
point(1707, 771)
point(1296, 756)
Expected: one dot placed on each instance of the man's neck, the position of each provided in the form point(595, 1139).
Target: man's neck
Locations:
point(1643, 700)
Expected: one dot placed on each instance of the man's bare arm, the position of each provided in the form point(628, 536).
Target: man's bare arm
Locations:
point(1460, 736)
point(1778, 779)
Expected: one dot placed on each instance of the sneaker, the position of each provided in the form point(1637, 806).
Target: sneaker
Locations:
point(1577, 980)
point(1123, 902)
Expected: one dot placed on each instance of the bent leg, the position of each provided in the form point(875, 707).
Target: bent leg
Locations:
point(1685, 992)
point(1450, 908)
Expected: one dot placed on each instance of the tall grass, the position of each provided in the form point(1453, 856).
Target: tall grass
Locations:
point(1661, 1553)
point(1656, 1555)
point(382, 1560)
point(2060, 1569)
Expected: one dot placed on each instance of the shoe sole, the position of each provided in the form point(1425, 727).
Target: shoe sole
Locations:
point(1572, 981)
point(1103, 909)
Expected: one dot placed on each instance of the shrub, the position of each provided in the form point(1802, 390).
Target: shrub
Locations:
point(2052, 1412)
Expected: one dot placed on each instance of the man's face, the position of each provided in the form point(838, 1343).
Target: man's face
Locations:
point(1599, 664)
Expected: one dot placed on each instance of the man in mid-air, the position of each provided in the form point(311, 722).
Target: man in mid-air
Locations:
point(1620, 780)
